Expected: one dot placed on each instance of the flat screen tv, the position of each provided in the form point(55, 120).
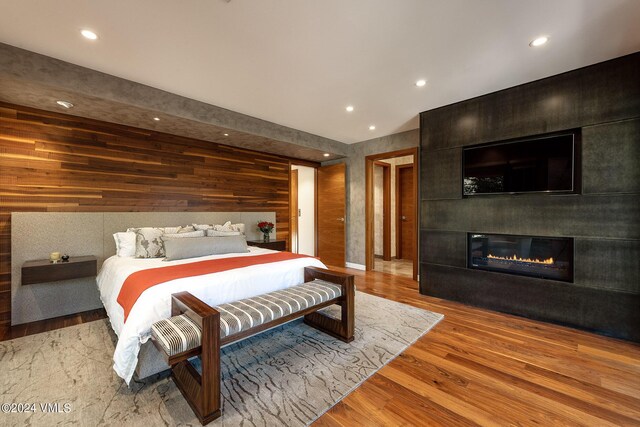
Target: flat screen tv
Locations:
point(544, 163)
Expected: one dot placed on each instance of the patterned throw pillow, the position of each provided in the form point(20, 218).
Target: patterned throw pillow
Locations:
point(226, 227)
point(149, 242)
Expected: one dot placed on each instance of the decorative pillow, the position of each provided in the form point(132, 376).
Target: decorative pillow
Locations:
point(203, 246)
point(238, 227)
point(183, 234)
point(215, 233)
point(202, 226)
point(179, 229)
point(125, 244)
point(148, 242)
point(225, 227)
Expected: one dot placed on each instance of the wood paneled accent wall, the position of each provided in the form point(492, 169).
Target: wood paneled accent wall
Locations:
point(55, 162)
point(603, 101)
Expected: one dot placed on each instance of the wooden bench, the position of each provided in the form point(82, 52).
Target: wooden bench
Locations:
point(197, 329)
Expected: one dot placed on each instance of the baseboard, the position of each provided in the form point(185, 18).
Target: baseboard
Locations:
point(354, 265)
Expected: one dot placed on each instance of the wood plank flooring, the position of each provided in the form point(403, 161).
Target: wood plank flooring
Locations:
point(487, 368)
point(479, 367)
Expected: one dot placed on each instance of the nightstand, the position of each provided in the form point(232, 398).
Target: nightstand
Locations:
point(276, 245)
point(42, 271)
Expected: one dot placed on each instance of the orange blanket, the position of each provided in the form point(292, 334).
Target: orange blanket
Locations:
point(140, 281)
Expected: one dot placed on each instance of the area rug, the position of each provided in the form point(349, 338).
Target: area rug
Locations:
point(287, 376)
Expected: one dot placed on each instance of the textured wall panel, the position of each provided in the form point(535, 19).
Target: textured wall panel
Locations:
point(604, 92)
point(606, 216)
point(355, 175)
point(611, 313)
point(611, 158)
point(441, 174)
point(57, 163)
point(608, 264)
point(602, 100)
point(443, 247)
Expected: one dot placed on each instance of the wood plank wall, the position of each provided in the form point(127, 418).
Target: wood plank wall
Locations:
point(58, 163)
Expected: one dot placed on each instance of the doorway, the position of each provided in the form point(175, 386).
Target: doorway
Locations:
point(302, 205)
point(391, 212)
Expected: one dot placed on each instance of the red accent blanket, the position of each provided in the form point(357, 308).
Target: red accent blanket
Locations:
point(140, 281)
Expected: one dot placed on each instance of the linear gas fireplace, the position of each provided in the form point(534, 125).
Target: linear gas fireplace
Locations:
point(543, 257)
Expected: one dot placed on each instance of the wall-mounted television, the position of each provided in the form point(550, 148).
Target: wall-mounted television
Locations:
point(545, 163)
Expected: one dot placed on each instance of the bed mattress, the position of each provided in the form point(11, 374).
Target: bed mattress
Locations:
point(155, 303)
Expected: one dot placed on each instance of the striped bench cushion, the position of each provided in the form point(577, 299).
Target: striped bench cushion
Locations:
point(177, 335)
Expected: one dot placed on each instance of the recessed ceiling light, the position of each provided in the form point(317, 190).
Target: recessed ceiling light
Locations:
point(88, 34)
point(157, 119)
point(421, 83)
point(372, 127)
point(349, 108)
point(539, 41)
point(65, 104)
point(226, 134)
point(326, 154)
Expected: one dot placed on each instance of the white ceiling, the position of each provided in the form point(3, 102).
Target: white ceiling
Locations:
point(300, 63)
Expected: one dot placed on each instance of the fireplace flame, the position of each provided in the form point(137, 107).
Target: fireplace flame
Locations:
point(547, 261)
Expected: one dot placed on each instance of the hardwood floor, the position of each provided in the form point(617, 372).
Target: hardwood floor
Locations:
point(25, 329)
point(479, 367)
point(397, 267)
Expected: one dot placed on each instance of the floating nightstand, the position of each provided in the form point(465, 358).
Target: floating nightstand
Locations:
point(276, 245)
point(42, 271)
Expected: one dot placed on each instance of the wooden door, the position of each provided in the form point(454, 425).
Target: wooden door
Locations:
point(405, 216)
point(293, 211)
point(331, 214)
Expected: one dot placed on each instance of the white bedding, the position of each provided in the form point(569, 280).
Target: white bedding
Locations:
point(155, 303)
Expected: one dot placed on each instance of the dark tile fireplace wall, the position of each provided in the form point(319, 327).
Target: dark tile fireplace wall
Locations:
point(603, 100)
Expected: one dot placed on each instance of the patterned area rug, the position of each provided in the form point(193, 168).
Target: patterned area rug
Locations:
point(289, 375)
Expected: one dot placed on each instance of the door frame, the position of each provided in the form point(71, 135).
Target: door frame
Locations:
point(386, 209)
point(398, 208)
point(293, 210)
point(369, 214)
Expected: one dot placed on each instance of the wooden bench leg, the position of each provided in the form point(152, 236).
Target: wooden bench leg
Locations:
point(202, 392)
point(342, 329)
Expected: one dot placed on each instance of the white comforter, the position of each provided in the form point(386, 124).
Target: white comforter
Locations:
point(155, 303)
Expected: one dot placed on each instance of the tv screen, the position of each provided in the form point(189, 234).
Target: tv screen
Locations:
point(534, 164)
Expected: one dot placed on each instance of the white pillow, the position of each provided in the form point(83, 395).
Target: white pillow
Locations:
point(216, 233)
point(125, 244)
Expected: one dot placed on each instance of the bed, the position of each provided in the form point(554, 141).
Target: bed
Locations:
point(133, 353)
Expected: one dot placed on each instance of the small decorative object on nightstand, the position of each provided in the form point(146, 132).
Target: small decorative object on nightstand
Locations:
point(276, 245)
point(265, 227)
point(42, 271)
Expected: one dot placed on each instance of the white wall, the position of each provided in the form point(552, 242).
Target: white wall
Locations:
point(306, 203)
